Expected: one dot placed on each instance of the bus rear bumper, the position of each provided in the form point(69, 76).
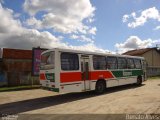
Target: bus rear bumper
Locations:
point(51, 89)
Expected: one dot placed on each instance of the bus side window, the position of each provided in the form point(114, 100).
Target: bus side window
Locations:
point(69, 61)
point(122, 64)
point(108, 66)
point(111, 62)
point(130, 63)
point(99, 62)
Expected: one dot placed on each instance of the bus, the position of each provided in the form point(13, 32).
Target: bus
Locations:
point(65, 70)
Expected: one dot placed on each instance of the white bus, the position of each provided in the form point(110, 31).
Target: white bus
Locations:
point(64, 70)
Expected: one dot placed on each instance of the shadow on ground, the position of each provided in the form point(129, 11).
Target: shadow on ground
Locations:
point(38, 103)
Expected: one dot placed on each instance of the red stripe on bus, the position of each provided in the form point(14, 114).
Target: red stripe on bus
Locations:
point(95, 75)
point(77, 76)
point(70, 77)
point(42, 76)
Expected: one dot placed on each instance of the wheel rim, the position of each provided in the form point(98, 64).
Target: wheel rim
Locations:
point(100, 87)
point(139, 81)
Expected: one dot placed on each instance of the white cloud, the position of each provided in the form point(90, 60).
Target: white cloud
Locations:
point(16, 15)
point(8, 24)
point(125, 18)
point(145, 15)
point(14, 35)
point(34, 22)
point(93, 30)
point(89, 47)
point(74, 36)
point(64, 16)
point(85, 39)
point(157, 28)
point(81, 38)
point(134, 42)
point(90, 20)
point(30, 38)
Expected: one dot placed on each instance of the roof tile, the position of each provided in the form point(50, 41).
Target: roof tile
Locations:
point(137, 52)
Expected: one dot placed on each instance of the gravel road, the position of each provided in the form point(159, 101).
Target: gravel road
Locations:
point(128, 99)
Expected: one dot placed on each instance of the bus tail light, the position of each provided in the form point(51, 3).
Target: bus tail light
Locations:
point(42, 76)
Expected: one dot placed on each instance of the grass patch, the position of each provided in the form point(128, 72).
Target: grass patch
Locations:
point(16, 88)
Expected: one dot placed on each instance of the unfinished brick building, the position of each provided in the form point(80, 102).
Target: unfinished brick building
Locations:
point(16, 66)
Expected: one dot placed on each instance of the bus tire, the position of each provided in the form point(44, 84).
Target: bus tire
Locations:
point(139, 80)
point(100, 86)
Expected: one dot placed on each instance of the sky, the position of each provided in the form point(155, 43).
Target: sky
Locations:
point(114, 26)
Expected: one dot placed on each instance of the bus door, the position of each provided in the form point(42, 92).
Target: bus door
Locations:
point(85, 71)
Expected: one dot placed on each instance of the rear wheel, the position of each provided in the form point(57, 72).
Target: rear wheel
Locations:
point(139, 80)
point(100, 87)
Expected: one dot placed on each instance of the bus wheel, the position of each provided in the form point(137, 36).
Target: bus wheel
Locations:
point(100, 87)
point(139, 80)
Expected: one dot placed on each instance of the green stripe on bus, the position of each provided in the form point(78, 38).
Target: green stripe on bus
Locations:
point(137, 72)
point(50, 76)
point(127, 73)
point(51, 89)
point(54, 89)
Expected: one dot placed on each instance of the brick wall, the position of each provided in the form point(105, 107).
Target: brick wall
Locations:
point(16, 54)
point(17, 66)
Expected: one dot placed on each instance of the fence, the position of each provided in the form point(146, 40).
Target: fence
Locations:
point(153, 71)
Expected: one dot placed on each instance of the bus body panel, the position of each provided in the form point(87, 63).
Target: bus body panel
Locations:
point(71, 87)
point(48, 79)
point(112, 83)
point(85, 77)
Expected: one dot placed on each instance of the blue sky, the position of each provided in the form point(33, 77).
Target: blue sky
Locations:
point(106, 25)
point(112, 30)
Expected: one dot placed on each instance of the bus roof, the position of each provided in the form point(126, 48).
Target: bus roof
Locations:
point(90, 53)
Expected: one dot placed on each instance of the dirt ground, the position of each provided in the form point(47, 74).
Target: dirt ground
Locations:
point(128, 99)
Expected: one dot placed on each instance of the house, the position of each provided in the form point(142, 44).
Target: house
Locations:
point(152, 56)
point(16, 67)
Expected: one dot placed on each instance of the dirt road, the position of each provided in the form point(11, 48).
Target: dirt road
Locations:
point(124, 99)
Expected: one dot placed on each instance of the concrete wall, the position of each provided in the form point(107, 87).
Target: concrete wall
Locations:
point(153, 58)
point(153, 71)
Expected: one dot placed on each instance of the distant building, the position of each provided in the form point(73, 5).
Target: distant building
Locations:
point(152, 56)
point(16, 66)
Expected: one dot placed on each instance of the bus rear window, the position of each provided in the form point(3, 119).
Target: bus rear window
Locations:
point(47, 60)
